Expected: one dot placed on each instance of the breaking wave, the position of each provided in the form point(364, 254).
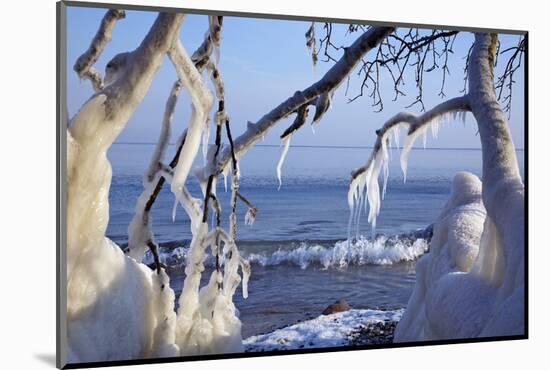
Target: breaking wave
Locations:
point(382, 250)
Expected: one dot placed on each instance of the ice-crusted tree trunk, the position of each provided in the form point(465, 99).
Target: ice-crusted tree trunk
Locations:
point(471, 283)
point(501, 259)
point(116, 308)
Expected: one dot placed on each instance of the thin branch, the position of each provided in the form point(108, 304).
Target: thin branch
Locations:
point(505, 82)
point(245, 201)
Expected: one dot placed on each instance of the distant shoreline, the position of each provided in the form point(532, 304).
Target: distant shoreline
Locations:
point(321, 146)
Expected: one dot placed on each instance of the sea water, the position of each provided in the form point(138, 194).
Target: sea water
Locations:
point(301, 259)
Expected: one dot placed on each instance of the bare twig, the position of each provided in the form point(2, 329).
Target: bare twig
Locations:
point(505, 81)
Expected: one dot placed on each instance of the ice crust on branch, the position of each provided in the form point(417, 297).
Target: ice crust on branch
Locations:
point(364, 187)
point(139, 230)
point(202, 100)
point(84, 64)
point(330, 81)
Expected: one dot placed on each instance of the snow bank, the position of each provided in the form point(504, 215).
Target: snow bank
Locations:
point(460, 288)
point(323, 331)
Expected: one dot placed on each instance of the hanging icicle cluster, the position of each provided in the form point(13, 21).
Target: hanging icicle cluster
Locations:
point(364, 190)
point(311, 43)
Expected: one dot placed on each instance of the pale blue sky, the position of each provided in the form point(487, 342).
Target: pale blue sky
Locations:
point(262, 63)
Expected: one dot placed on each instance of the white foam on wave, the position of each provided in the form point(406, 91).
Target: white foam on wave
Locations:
point(323, 331)
point(364, 251)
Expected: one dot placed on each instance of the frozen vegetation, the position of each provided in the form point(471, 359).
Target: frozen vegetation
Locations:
point(471, 283)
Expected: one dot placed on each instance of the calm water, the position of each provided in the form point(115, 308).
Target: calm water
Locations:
point(301, 224)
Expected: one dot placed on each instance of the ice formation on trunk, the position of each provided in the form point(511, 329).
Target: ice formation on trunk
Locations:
point(442, 275)
point(471, 283)
point(111, 313)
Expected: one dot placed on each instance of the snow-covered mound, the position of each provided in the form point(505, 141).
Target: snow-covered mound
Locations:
point(461, 284)
point(323, 331)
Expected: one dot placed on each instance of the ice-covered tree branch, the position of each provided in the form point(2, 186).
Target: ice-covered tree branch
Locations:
point(139, 231)
point(145, 202)
point(414, 123)
point(364, 187)
point(84, 66)
point(330, 81)
point(201, 104)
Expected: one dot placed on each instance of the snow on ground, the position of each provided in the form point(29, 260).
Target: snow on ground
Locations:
point(323, 331)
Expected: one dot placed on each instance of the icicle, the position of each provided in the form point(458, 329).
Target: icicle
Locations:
point(424, 138)
point(373, 189)
point(463, 117)
point(246, 270)
point(352, 191)
point(205, 139)
point(286, 145)
point(225, 171)
point(395, 131)
point(434, 126)
point(386, 167)
point(174, 208)
point(407, 146)
point(361, 201)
